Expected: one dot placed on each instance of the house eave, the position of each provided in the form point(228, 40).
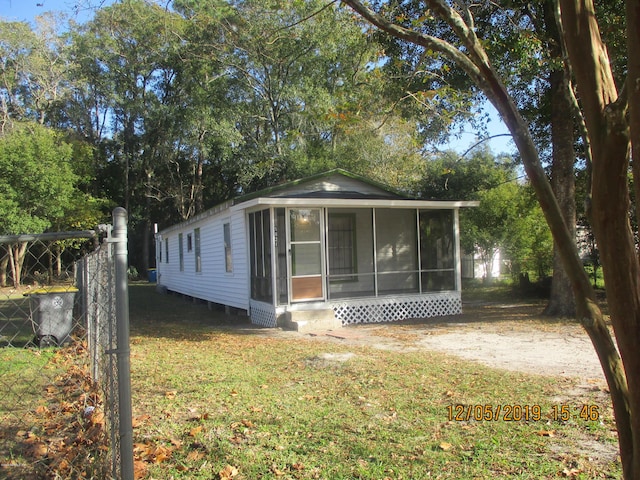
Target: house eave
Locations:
point(352, 203)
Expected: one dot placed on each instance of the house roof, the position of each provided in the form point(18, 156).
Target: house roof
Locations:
point(326, 185)
point(335, 188)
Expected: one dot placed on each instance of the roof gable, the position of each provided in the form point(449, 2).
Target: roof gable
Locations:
point(332, 184)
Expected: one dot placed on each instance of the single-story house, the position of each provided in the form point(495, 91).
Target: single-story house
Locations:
point(329, 250)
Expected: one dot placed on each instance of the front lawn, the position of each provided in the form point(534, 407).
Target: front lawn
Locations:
point(217, 398)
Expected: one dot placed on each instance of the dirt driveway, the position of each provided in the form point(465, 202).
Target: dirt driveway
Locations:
point(509, 336)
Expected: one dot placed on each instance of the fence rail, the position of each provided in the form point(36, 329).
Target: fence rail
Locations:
point(65, 406)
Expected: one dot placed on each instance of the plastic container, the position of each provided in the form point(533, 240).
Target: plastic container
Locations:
point(52, 314)
point(152, 275)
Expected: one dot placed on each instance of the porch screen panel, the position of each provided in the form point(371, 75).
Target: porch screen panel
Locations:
point(281, 249)
point(260, 256)
point(350, 253)
point(437, 255)
point(396, 251)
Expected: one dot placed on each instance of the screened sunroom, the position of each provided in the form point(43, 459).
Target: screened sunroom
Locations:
point(386, 262)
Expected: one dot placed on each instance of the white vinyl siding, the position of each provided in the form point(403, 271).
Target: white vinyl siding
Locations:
point(212, 283)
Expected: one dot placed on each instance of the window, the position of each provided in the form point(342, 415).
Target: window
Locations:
point(166, 250)
point(437, 250)
point(342, 242)
point(196, 234)
point(189, 242)
point(227, 248)
point(180, 252)
point(260, 256)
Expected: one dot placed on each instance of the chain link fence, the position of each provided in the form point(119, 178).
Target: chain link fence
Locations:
point(64, 394)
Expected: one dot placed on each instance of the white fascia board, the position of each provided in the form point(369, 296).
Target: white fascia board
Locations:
point(352, 203)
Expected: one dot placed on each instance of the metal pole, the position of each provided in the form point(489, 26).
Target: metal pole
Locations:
point(122, 348)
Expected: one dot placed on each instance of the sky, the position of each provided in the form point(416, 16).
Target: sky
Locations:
point(469, 136)
point(27, 10)
point(82, 10)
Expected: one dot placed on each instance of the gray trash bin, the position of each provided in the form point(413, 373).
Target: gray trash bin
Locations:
point(52, 315)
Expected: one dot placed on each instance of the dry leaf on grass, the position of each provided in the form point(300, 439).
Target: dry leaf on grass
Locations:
point(574, 472)
point(194, 456)
point(139, 420)
point(228, 472)
point(139, 469)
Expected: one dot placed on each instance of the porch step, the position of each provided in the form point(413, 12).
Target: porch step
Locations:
point(310, 320)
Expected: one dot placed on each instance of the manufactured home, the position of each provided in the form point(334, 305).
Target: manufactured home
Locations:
point(329, 250)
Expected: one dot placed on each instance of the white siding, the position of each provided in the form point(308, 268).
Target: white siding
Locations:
point(213, 283)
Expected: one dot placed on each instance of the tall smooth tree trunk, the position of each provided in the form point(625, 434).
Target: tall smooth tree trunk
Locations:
point(605, 113)
point(561, 299)
point(608, 130)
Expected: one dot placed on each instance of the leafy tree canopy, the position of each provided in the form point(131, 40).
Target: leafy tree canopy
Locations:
point(38, 180)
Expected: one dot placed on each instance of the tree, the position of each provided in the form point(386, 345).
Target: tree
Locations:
point(32, 66)
point(610, 134)
point(36, 186)
point(507, 220)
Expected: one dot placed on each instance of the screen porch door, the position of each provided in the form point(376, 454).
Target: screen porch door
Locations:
point(305, 247)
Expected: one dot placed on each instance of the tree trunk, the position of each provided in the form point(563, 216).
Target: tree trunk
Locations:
point(610, 161)
point(16, 261)
point(4, 264)
point(605, 117)
point(561, 300)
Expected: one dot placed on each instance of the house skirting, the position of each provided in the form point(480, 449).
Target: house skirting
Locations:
point(370, 310)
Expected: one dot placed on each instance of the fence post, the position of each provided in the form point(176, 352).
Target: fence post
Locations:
point(119, 239)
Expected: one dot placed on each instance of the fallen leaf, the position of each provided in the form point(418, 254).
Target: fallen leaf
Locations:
point(546, 433)
point(139, 420)
point(228, 472)
point(171, 394)
point(139, 469)
point(97, 417)
point(574, 472)
point(445, 446)
point(38, 449)
point(195, 455)
point(195, 431)
point(42, 410)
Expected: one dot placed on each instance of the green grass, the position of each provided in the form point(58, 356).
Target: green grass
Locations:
point(16, 329)
point(217, 401)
